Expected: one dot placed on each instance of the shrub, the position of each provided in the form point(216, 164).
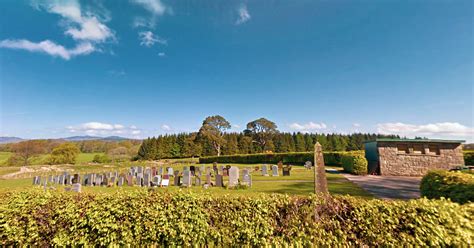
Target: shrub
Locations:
point(468, 157)
point(330, 158)
point(355, 164)
point(101, 158)
point(65, 153)
point(142, 218)
point(457, 186)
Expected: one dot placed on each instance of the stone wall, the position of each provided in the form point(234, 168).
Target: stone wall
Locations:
point(393, 163)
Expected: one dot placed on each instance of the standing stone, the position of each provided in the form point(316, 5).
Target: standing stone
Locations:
point(247, 180)
point(264, 170)
point(147, 180)
point(36, 180)
point(139, 181)
point(76, 178)
point(129, 180)
point(308, 165)
point(320, 182)
point(197, 181)
point(77, 187)
point(219, 181)
point(274, 170)
point(192, 168)
point(225, 172)
point(169, 171)
point(257, 168)
point(50, 179)
point(121, 180)
point(208, 179)
point(153, 171)
point(165, 181)
point(187, 178)
point(280, 165)
point(160, 170)
point(177, 179)
point(157, 180)
point(233, 176)
point(286, 170)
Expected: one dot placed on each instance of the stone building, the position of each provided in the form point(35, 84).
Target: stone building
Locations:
point(412, 157)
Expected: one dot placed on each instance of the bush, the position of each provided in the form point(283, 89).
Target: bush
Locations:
point(144, 218)
point(355, 164)
point(457, 186)
point(101, 158)
point(468, 157)
point(65, 153)
point(330, 158)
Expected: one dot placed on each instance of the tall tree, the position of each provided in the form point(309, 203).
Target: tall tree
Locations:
point(262, 130)
point(212, 129)
point(26, 150)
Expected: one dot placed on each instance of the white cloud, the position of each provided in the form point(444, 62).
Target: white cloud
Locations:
point(244, 15)
point(48, 47)
point(85, 28)
point(161, 54)
point(165, 127)
point(99, 128)
point(356, 125)
point(155, 7)
point(443, 129)
point(147, 38)
point(79, 25)
point(308, 127)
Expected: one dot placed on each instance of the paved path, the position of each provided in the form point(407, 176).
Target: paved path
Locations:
point(388, 187)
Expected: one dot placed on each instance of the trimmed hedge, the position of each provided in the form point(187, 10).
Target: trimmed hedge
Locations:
point(355, 164)
point(468, 157)
point(330, 158)
point(455, 185)
point(142, 218)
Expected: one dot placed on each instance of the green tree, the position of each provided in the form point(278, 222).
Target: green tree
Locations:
point(25, 151)
point(300, 144)
point(262, 131)
point(212, 129)
point(65, 153)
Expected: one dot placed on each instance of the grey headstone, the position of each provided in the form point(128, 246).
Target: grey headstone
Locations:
point(264, 170)
point(274, 170)
point(121, 181)
point(187, 178)
point(219, 181)
point(170, 171)
point(233, 176)
point(247, 180)
point(77, 187)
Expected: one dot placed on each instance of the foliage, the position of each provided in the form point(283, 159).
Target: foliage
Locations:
point(101, 159)
point(457, 186)
point(212, 130)
point(25, 151)
point(468, 157)
point(37, 218)
point(65, 153)
point(262, 131)
point(330, 158)
point(355, 164)
point(189, 145)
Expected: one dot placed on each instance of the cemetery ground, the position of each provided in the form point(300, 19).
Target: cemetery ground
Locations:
point(300, 182)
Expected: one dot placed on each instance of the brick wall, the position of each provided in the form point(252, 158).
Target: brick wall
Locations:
point(392, 163)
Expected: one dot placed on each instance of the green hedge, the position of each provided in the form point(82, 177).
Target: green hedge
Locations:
point(330, 158)
point(355, 164)
point(457, 186)
point(468, 157)
point(142, 218)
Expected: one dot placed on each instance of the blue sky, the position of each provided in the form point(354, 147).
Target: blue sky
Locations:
point(138, 68)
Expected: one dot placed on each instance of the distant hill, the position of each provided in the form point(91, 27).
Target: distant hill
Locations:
point(5, 140)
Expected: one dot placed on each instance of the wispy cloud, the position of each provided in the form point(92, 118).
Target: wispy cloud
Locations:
point(244, 15)
point(49, 47)
point(147, 38)
point(154, 7)
point(166, 127)
point(85, 28)
point(161, 54)
point(443, 129)
point(308, 127)
point(99, 128)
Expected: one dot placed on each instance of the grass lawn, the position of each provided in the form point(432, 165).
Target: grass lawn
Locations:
point(299, 183)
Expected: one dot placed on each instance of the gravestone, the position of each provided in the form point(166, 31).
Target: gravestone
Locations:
point(320, 184)
point(105, 180)
point(219, 181)
point(157, 180)
point(121, 181)
point(197, 181)
point(77, 187)
point(166, 181)
point(264, 170)
point(308, 165)
point(274, 170)
point(225, 172)
point(233, 176)
point(280, 165)
point(61, 179)
point(286, 170)
point(129, 180)
point(50, 178)
point(192, 168)
point(208, 170)
point(257, 168)
point(147, 180)
point(247, 180)
point(170, 171)
point(208, 179)
point(153, 171)
point(36, 180)
point(221, 170)
point(187, 178)
point(139, 181)
point(160, 170)
point(177, 179)
point(76, 178)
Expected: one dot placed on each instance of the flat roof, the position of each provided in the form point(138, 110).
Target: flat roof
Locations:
point(416, 140)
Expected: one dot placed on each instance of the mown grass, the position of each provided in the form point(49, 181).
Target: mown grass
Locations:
point(299, 183)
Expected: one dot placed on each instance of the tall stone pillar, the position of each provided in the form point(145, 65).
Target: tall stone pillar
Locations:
point(320, 182)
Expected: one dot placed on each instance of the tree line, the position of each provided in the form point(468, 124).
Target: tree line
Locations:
point(260, 136)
